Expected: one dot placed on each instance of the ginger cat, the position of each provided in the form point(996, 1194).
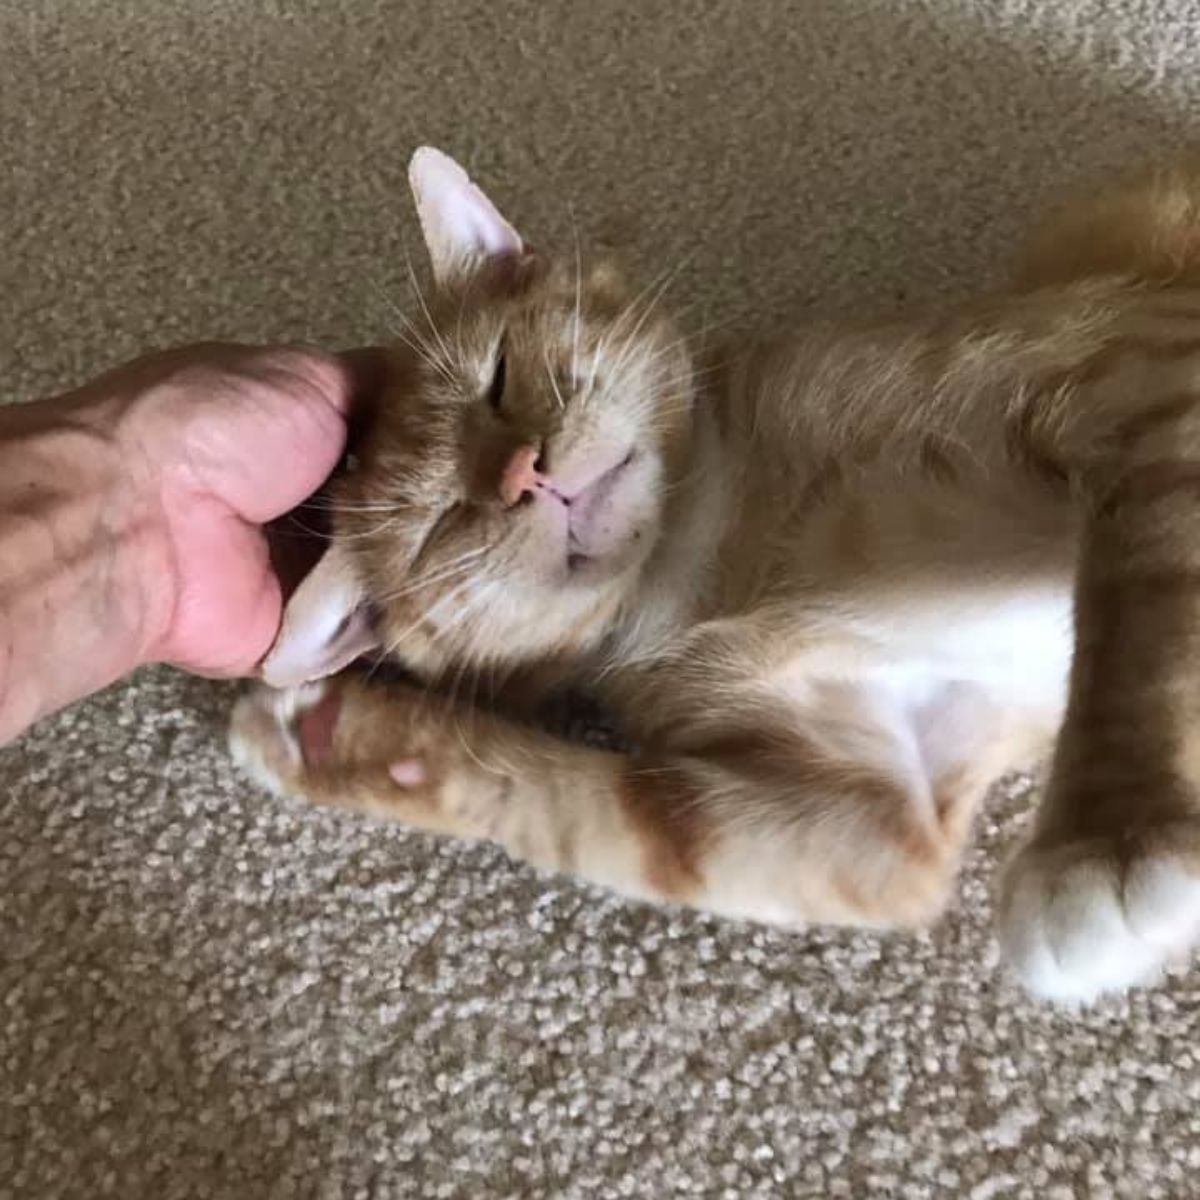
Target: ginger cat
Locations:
point(830, 588)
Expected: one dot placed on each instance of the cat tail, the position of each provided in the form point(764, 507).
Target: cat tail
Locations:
point(1144, 226)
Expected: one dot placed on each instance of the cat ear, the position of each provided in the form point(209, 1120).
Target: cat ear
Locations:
point(325, 625)
point(461, 225)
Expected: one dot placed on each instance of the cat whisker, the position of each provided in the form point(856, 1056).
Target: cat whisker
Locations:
point(427, 616)
point(305, 530)
point(627, 364)
point(439, 579)
point(458, 321)
point(578, 295)
point(465, 744)
point(324, 504)
point(457, 566)
point(657, 285)
point(374, 531)
point(688, 341)
point(649, 308)
point(448, 577)
point(562, 404)
point(603, 348)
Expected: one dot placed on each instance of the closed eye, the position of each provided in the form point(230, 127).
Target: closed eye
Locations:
point(495, 392)
point(436, 528)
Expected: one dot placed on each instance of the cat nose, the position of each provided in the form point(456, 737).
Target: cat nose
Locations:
point(521, 475)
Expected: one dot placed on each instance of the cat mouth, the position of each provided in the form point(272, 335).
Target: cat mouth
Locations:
point(598, 520)
point(595, 517)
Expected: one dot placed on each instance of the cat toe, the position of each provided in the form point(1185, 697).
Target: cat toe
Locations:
point(1084, 918)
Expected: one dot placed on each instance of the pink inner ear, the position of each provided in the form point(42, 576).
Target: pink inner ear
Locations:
point(459, 222)
point(315, 653)
point(325, 625)
point(490, 232)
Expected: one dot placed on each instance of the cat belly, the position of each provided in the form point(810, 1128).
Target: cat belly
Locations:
point(950, 667)
point(1015, 645)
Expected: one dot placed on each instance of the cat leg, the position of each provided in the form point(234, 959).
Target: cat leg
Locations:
point(1107, 891)
point(843, 823)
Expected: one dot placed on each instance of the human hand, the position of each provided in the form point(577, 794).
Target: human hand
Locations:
point(132, 513)
point(222, 439)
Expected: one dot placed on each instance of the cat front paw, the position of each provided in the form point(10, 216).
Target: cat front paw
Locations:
point(1081, 918)
point(391, 752)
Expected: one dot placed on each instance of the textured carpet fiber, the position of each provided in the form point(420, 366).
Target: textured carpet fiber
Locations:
point(206, 993)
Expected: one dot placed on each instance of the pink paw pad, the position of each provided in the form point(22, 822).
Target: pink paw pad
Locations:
point(407, 772)
point(315, 728)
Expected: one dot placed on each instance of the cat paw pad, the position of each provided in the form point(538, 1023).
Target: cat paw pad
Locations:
point(1081, 919)
point(274, 734)
point(408, 772)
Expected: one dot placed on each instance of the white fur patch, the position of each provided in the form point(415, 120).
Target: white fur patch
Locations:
point(1074, 925)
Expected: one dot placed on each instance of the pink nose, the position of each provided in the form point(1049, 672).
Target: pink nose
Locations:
point(520, 475)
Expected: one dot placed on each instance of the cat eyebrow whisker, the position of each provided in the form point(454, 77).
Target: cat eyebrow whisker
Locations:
point(428, 354)
point(458, 323)
point(412, 275)
point(411, 337)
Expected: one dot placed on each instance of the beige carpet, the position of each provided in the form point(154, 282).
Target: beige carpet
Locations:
point(205, 993)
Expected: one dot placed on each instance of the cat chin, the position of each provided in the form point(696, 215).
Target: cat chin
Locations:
point(596, 569)
point(608, 532)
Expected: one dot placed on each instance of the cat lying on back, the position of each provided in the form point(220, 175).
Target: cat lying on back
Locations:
point(830, 587)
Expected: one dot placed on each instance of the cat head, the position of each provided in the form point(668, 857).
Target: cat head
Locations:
point(509, 489)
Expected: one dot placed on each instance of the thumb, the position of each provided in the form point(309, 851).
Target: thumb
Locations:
point(275, 435)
